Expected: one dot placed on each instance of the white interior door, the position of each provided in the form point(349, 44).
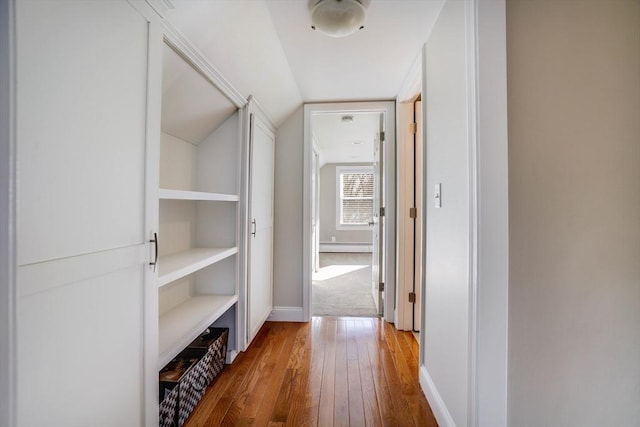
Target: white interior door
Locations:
point(260, 280)
point(377, 262)
point(315, 211)
point(417, 255)
point(82, 226)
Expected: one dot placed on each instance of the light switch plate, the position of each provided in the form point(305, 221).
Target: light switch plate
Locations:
point(437, 198)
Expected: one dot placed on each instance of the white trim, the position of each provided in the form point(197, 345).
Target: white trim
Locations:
point(346, 247)
point(492, 215)
point(7, 215)
point(287, 314)
point(151, 219)
point(257, 108)
point(388, 107)
point(161, 6)
point(439, 409)
point(181, 45)
point(472, 138)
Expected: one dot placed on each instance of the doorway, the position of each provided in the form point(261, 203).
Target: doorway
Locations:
point(410, 227)
point(345, 177)
point(349, 222)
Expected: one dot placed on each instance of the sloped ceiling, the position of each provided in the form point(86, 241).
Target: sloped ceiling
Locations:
point(239, 39)
point(267, 48)
point(370, 64)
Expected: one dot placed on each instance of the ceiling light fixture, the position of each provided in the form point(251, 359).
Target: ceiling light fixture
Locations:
point(338, 18)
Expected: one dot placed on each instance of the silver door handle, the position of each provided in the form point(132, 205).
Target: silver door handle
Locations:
point(253, 233)
point(371, 222)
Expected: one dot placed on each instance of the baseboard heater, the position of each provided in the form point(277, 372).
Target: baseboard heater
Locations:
point(346, 247)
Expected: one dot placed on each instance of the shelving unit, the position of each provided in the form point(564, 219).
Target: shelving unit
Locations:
point(199, 204)
point(178, 324)
point(181, 264)
point(166, 194)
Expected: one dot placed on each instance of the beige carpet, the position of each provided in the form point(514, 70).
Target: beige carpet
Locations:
point(342, 287)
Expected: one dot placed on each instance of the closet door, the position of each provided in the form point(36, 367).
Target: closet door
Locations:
point(260, 280)
point(82, 227)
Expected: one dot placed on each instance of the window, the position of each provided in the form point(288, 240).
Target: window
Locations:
point(354, 201)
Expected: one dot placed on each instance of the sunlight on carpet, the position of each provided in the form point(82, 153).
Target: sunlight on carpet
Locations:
point(342, 286)
point(332, 271)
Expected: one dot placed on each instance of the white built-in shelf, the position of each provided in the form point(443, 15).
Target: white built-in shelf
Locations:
point(175, 266)
point(182, 324)
point(196, 195)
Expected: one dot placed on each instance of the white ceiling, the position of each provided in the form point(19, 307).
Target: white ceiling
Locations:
point(345, 142)
point(370, 64)
point(191, 107)
point(266, 48)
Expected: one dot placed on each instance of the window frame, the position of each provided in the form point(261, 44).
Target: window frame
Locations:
point(338, 199)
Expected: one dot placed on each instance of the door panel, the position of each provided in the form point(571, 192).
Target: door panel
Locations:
point(419, 173)
point(377, 266)
point(81, 117)
point(79, 352)
point(260, 281)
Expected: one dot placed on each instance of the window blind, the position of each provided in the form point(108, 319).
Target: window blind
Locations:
point(356, 198)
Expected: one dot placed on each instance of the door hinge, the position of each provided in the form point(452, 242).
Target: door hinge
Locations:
point(381, 286)
point(381, 211)
point(381, 136)
point(413, 212)
point(413, 128)
point(412, 297)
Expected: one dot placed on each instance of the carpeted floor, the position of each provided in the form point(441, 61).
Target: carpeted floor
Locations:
point(342, 287)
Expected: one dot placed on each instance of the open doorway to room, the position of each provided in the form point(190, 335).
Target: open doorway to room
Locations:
point(347, 214)
point(344, 160)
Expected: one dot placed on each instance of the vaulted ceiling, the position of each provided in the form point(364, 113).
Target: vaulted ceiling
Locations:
point(267, 48)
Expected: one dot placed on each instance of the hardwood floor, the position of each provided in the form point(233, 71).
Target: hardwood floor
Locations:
point(329, 372)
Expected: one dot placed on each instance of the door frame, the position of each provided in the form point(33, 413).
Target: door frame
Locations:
point(388, 108)
point(488, 199)
point(7, 214)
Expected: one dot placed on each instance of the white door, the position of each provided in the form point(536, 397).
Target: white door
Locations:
point(377, 262)
point(315, 212)
point(419, 173)
point(260, 280)
point(82, 227)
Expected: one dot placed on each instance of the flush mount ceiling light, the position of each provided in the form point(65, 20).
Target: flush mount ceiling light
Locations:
point(338, 18)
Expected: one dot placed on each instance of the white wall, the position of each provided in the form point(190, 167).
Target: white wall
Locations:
point(328, 209)
point(446, 322)
point(287, 257)
point(574, 161)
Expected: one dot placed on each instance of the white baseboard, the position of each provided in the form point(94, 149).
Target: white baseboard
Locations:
point(443, 417)
point(286, 314)
point(346, 247)
point(231, 356)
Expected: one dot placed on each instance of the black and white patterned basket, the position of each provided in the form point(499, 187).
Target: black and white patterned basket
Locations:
point(179, 397)
point(214, 341)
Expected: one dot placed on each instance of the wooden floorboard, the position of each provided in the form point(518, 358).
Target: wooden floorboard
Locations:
point(328, 372)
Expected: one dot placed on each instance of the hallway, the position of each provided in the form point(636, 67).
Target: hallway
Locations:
point(330, 371)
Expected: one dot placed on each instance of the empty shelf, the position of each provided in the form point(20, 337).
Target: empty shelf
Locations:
point(196, 195)
point(173, 267)
point(182, 324)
